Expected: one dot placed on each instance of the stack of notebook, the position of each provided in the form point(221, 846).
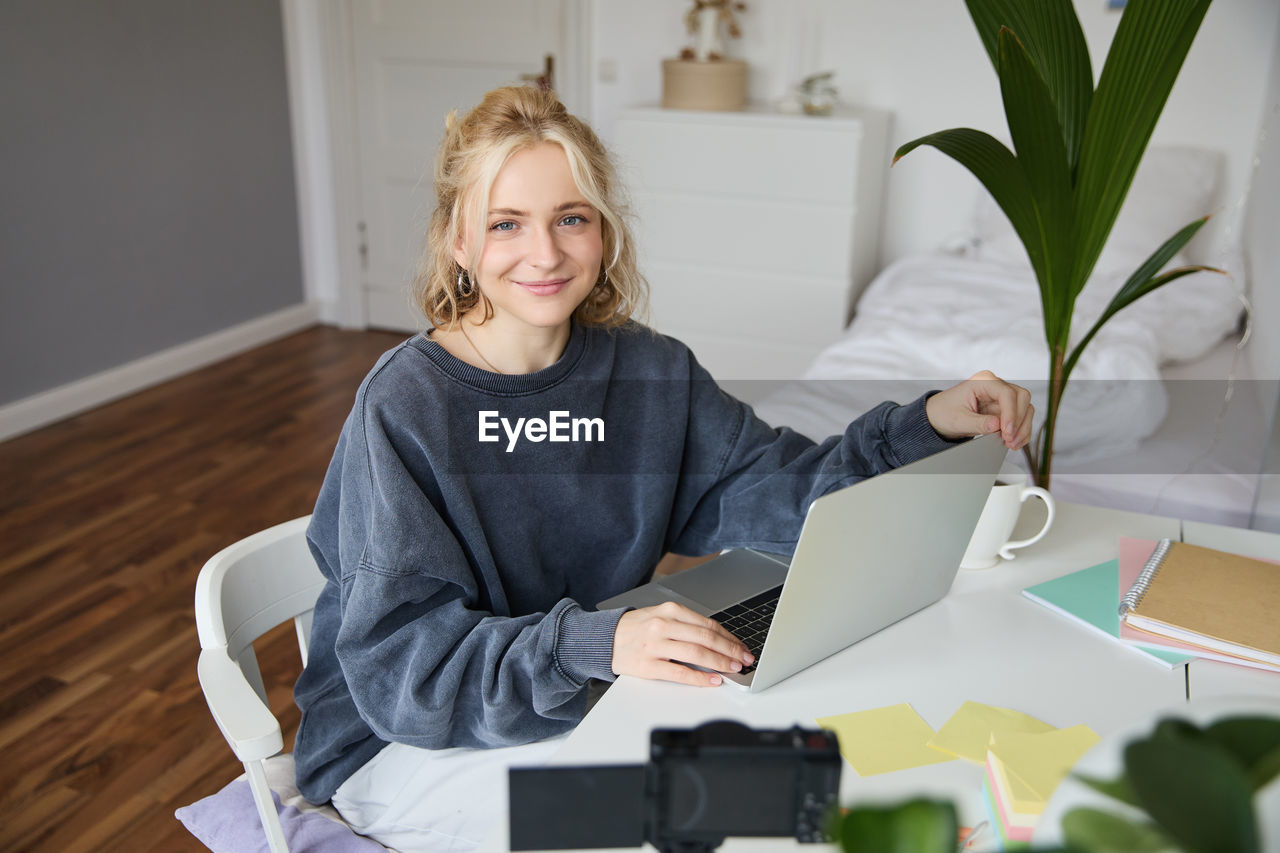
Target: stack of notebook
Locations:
point(1023, 769)
point(1183, 602)
point(1206, 603)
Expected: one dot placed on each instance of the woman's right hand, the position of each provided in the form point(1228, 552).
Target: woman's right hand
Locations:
point(649, 641)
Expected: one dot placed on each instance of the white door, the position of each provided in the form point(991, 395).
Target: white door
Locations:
point(414, 60)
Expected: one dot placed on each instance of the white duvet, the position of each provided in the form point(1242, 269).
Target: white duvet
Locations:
point(926, 322)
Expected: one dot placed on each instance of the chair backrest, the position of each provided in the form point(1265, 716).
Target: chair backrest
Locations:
point(243, 591)
point(250, 587)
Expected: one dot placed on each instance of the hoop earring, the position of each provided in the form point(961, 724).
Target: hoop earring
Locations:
point(465, 286)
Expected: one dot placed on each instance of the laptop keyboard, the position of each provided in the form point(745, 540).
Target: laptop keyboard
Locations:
point(749, 621)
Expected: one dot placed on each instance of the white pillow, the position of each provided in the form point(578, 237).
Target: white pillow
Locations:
point(974, 316)
point(1188, 316)
point(1174, 186)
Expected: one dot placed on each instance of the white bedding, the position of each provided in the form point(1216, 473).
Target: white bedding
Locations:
point(926, 322)
point(1203, 462)
point(1144, 425)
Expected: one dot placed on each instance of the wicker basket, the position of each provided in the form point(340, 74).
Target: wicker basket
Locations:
point(717, 85)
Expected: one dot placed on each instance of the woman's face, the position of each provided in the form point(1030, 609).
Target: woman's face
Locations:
point(542, 244)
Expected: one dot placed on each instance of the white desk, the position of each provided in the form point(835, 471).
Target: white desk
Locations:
point(984, 641)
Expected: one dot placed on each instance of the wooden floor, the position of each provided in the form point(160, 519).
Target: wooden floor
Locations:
point(105, 520)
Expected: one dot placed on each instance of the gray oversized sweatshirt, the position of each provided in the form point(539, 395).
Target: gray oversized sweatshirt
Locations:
point(469, 521)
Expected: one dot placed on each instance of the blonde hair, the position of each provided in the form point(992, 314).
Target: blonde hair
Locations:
point(473, 151)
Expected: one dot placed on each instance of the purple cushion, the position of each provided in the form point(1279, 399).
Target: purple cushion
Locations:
point(228, 822)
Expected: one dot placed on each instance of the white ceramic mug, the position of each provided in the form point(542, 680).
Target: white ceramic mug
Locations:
point(991, 542)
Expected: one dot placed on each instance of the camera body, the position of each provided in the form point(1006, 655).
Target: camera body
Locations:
point(700, 786)
point(723, 778)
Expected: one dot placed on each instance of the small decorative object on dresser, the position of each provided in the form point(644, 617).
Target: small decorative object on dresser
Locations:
point(703, 78)
point(817, 94)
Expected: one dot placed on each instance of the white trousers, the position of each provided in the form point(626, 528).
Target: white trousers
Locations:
point(413, 800)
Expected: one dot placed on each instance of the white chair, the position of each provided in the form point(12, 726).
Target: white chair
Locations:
point(243, 591)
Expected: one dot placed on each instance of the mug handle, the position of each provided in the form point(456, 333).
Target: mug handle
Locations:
point(1006, 552)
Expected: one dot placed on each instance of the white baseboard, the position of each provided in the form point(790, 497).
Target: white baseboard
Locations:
point(333, 312)
point(57, 403)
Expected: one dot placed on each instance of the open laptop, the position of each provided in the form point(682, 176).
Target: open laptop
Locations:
point(868, 555)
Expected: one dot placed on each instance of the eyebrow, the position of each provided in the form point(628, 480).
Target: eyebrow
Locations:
point(510, 211)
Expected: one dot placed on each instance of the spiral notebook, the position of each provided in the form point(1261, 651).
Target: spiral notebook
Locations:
point(1208, 598)
point(1134, 553)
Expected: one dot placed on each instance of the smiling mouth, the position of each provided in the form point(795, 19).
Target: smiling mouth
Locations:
point(545, 288)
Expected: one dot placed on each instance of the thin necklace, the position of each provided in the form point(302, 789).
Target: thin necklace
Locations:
point(462, 328)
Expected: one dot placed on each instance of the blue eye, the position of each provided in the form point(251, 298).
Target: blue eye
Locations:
point(573, 219)
point(505, 225)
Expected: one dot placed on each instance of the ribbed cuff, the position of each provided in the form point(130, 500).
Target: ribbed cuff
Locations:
point(584, 643)
point(910, 434)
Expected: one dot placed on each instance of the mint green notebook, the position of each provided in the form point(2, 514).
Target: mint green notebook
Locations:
point(1091, 597)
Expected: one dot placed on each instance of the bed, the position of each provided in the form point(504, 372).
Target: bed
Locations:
point(1160, 415)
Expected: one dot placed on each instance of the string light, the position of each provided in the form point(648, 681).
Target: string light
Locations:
point(1230, 243)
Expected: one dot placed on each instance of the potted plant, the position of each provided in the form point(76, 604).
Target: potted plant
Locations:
point(1183, 787)
point(703, 77)
point(706, 22)
point(1075, 152)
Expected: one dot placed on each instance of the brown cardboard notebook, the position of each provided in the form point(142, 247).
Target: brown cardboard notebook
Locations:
point(1210, 598)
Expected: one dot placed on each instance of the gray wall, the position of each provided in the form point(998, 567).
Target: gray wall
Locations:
point(146, 180)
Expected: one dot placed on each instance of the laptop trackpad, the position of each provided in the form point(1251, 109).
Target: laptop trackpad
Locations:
point(727, 579)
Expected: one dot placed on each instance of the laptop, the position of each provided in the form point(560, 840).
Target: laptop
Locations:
point(869, 555)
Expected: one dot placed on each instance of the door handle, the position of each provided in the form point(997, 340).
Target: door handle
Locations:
point(546, 80)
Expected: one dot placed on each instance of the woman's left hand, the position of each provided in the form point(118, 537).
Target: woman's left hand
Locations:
point(981, 404)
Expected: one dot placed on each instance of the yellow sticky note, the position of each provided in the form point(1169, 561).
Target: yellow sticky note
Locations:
point(884, 739)
point(1042, 760)
point(969, 730)
point(1018, 804)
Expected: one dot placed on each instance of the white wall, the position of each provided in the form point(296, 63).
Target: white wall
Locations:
point(922, 60)
point(1262, 225)
point(1264, 272)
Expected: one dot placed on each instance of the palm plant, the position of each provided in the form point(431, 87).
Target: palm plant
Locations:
point(1077, 152)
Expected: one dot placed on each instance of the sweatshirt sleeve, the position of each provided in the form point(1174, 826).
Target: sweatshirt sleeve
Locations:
point(428, 660)
point(749, 485)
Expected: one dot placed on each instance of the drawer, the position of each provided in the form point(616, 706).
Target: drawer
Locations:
point(727, 358)
point(773, 161)
point(781, 309)
point(745, 235)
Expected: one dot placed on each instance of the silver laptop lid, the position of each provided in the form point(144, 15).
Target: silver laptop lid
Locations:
point(876, 552)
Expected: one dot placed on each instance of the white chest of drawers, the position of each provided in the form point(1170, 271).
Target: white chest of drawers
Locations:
point(756, 229)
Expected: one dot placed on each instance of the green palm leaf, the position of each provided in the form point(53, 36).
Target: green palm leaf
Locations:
point(1037, 138)
point(1051, 33)
point(999, 171)
point(1150, 44)
point(1143, 281)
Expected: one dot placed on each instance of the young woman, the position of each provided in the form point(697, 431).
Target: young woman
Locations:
point(534, 452)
